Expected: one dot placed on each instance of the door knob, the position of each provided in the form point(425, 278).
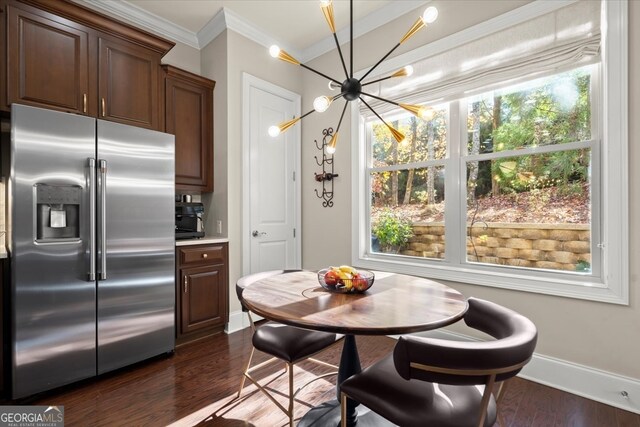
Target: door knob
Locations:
point(257, 233)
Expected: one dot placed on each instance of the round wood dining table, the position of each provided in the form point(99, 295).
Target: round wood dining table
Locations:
point(396, 304)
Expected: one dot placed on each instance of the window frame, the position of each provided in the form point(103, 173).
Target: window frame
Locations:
point(609, 281)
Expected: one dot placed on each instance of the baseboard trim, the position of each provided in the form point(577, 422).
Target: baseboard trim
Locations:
point(591, 383)
point(238, 320)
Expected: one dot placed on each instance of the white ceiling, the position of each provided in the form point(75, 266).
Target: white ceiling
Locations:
point(297, 25)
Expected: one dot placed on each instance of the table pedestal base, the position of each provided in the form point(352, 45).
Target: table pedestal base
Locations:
point(328, 415)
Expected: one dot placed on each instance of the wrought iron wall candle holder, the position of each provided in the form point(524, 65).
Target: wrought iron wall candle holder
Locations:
point(327, 175)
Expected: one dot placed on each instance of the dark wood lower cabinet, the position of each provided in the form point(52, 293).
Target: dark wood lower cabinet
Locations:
point(202, 303)
point(202, 292)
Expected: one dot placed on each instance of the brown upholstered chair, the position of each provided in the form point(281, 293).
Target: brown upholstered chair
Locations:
point(434, 382)
point(285, 343)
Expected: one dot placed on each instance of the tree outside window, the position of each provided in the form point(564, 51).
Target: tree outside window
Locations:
point(526, 156)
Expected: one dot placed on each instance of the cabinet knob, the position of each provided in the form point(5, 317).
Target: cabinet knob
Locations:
point(204, 255)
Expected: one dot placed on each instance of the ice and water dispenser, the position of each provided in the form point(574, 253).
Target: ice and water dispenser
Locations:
point(57, 212)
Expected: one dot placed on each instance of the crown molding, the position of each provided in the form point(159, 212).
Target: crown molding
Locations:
point(212, 29)
point(227, 19)
point(142, 18)
point(369, 23)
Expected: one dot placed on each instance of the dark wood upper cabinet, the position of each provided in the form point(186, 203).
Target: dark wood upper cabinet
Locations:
point(128, 84)
point(189, 116)
point(48, 62)
point(64, 56)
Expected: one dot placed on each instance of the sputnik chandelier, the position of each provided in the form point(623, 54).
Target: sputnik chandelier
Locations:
point(351, 88)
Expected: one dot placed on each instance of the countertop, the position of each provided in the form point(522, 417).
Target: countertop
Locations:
point(204, 241)
point(185, 242)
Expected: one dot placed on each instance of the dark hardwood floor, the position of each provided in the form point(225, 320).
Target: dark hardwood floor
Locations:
point(197, 387)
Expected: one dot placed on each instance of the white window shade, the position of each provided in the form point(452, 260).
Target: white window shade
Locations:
point(564, 39)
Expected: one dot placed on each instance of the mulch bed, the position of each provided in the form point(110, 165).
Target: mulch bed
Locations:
point(543, 206)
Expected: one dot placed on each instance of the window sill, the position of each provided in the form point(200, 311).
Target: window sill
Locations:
point(527, 280)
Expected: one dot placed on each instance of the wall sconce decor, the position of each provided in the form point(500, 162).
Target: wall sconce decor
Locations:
point(351, 89)
point(327, 175)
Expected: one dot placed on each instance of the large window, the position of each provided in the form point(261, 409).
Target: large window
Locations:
point(509, 184)
point(406, 180)
point(525, 180)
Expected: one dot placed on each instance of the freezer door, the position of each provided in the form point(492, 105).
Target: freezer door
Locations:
point(53, 299)
point(136, 241)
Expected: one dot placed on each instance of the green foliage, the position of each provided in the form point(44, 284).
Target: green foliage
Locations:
point(553, 111)
point(421, 196)
point(392, 231)
point(428, 142)
point(583, 266)
point(549, 111)
point(574, 189)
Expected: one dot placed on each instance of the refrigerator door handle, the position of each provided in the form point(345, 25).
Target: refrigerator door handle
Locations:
point(92, 220)
point(103, 220)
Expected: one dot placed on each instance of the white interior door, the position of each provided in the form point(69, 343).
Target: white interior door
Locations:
point(272, 232)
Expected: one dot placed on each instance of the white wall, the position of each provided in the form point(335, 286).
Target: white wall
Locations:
point(214, 66)
point(184, 57)
point(598, 335)
point(240, 55)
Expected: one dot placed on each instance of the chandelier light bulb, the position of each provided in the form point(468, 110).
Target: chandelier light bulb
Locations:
point(408, 70)
point(426, 113)
point(430, 15)
point(274, 51)
point(332, 85)
point(321, 103)
point(274, 131)
point(325, 3)
point(404, 71)
point(331, 146)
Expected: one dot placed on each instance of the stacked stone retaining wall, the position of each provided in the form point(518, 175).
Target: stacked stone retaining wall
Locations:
point(549, 246)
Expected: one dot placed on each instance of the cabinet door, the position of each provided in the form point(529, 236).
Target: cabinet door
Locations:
point(47, 62)
point(128, 84)
point(203, 298)
point(188, 115)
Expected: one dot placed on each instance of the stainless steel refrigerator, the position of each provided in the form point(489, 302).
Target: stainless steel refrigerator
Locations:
point(91, 222)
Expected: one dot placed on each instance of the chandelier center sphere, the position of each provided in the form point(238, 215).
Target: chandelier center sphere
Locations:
point(351, 89)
